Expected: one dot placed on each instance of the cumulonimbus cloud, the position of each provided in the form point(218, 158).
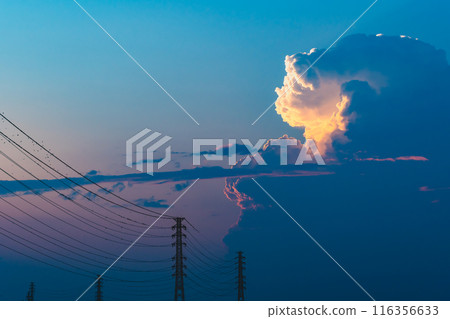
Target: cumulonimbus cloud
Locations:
point(393, 87)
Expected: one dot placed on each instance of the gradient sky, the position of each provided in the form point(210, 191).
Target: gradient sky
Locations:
point(221, 60)
point(67, 84)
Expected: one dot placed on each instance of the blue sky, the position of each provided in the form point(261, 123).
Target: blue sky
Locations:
point(221, 60)
point(378, 211)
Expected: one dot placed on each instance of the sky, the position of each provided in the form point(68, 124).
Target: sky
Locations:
point(378, 206)
point(222, 61)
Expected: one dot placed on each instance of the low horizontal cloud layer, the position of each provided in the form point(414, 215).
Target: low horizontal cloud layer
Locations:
point(8, 188)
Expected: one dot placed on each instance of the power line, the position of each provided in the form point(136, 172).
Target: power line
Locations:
point(5, 231)
point(73, 215)
point(210, 273)
point(83, 176)
point(61, 194)
point(36, 159)
point(60, 232)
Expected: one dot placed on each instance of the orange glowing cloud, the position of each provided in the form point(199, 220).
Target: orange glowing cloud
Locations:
point(242, 200)
point(315, 101)
point(368, 93)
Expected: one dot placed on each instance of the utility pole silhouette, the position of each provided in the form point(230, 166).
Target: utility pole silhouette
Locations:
point(179, 259)
point(99, 295)
point(30, 294)
point(241, 277)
